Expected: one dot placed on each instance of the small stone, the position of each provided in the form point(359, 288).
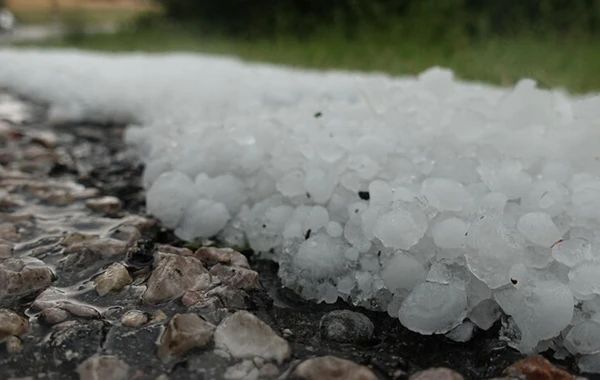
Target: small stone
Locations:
point(245, 336)
point(158, 317)
point(106, 205)
point(76, 238)
point(184, 332)
point(173, 275)
point(230, 297)
point(236, 277)
point(55, 298)
point(211, 309)
point(227, 256)
point(21, 277)
point(113, 279)
point(287, 333)
point(346, 326)
point(331, 368)
point(5, 250)
point(268, 371)
point(126, 233)
point(54, 315)
point(12, 323)
point(140, 254)
point(9, 232)
point(537, 368)
point(174, 250)
point(437, 374)
point(13, 345)
point(103, 367)
point(103, 247)
point(134, 318)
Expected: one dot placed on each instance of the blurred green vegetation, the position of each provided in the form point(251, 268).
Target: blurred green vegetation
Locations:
point(430, 19)
point(556, 42)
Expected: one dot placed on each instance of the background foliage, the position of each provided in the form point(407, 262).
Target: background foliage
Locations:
point(433, 19)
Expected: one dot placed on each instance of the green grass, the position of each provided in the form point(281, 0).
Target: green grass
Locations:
point(573, 64)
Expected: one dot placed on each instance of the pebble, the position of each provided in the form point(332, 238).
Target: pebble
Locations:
point(54, 315)
point(173, 275)
point(12, 323)
point(331, 368)
point(240, 278)
point(21, 277)
point(268, 371)
point(134, 318)
point(537, 368)
point(140, 255)
point(5, 250)
point(158, 316)
point(184, 332)
point(54, 298)
point(9, 232)
point(113, 279)
point(13, 345)
point(346, 326)
point(230, 297)
point(437, 374)
point(76, 238)
point(227, 256)
point(107, 205)
point(100, 367)
point(211, 309)
point(174, 250)
point(245, 336)
point(126, 233)
point(102, 247)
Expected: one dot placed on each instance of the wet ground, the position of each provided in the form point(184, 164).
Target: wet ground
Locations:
point(91, 286)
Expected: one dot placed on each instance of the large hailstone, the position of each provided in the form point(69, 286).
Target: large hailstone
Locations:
point(433, 308)
point(402, 226)
point(169, 197)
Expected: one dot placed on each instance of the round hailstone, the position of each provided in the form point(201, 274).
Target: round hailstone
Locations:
point(584, 338)
point(492, 203)
point(380, 193)
point(320, 257)
point(495, 249)
point(547, 196)
point(292, 184)
point(154, 169)
point(203, 220)
point(319, 185)
point(508, 179)
point(403, 271)
point(334, 229)
point(316, 218)
point(225, 189)
point(572, 252)
point(583, 280)
point(462, 333)
point(450, 233)
point(433, 308)
point(168, 198)
point(354, 234)
point(589, 363)
point(541, 311)
point(401, 227)
point(446, 194)
point(538, 228)
point(485, 314)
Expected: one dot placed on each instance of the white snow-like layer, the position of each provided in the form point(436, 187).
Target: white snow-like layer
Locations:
point(437, 200)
